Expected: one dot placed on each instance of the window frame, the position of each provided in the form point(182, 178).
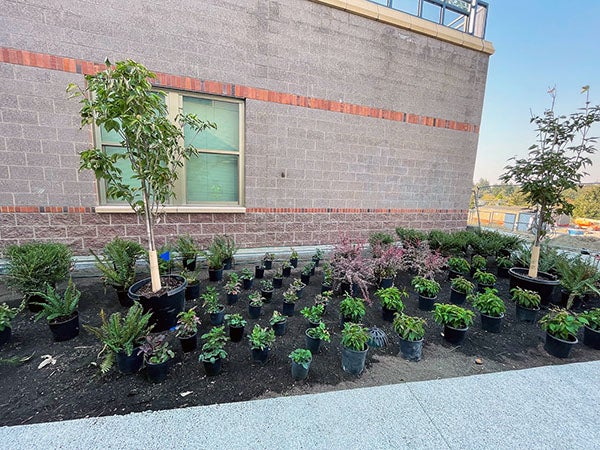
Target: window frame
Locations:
point(174, 102)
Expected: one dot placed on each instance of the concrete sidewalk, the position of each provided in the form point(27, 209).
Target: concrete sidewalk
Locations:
point(547, 407)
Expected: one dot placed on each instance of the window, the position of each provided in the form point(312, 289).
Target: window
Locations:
point(215, 176)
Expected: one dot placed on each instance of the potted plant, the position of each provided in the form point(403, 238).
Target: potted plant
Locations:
point(527, 304)
point(317, 257)
point(484, 280)
point(266, 290)
point(427, 290)
point(323, 299)
point(227, 249)
point(379, 242)
point(460, 287)
point(491, 308)
point(188, 252)
point(591, 330)
point(290, 297)
point(157, 355)
point(268, 260)
point(412, 332)
point(278, 278)
point(60, 311)
point(213, 352)
point(213, 306)
point(279, 323)
point(236, 326)
point(7, 314)
point(122, 337)
point(455, 320)
point(351, 270)
point(255, 303)
point(354, 348)
point(192, 290)
point(503, 263)
point(294, 258)
point(478, 262)
point(214, 258)
point(247, 278)
point(286, 269)
point(261, 340)
point(117, 266)
point(458, 266)
point(314, 314)
point(259, 271)
point(561, 331)
point(327, 283)
point(298, 286)
point(121, 99)
point(233, 287)
point(32, 266)
point(316, 336)
point(301, 359)
point(305, 273)
point(391, 301)
point(352, 309)
point(187, 329)
point(554, 166)
point(577, 278)
point(387, 264)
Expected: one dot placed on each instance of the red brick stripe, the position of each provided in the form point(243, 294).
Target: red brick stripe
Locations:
point(91, 209)
point(64, 64)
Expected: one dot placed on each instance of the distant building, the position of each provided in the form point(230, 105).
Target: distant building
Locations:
point(334, 116)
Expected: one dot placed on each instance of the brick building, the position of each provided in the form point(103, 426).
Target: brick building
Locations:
point(334, 116)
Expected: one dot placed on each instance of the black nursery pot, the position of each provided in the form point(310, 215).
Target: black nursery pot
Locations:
point(305, 278)
point(254, 311)
point(325, 288)
point(259, 272)
point(491, 324)
point(288, 309)
point(66, 329)
point(294, 262)
point(591, 337)
point(268, 264)
point(247, 284)
point(280, 328)
point(526, 314)
point(123, 297)
point(189, 264)
point(217, 318)
point(215, 274)
point(157, 373)
point(212, 368)
point(426, 303)
point(5, 336)
point(457, 298)
point(559, 347)
point(385, 283)
point(189, 344)
point(128, 364)
point(287, 271)
point(236, 333)
point(192, 291)
point(34, 299)
point(455, 336)
point(314, 345)
point(165, 307)
point(387, 314)
point(232, 299)
point(260, 356)
point(268, 295)
point(277, 283)
point(227, 263)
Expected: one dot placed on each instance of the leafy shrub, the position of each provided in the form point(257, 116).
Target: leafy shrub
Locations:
point(409, 328)
point(453, 316)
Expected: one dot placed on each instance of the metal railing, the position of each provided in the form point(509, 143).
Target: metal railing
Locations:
point(468, 16)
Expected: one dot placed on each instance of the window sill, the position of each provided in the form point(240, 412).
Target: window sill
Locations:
point(124, 209)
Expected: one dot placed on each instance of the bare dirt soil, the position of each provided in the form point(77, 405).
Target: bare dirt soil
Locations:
point(72, 387)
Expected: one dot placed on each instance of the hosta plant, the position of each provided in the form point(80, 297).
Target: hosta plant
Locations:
point(488, 302)
point(526, 298)
point(453, 316)
point(409, 328)
point(561, 324)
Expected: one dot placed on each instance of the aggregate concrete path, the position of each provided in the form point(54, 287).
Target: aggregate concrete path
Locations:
point(547, 407)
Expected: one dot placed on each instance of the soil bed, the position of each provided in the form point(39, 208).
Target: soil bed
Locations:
point(72, 387)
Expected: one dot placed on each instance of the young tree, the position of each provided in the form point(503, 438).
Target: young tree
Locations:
point(555, 164)
point(121, 99)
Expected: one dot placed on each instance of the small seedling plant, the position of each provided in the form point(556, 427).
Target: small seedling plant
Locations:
point(246, 274)
point(211, 304)
point(409, 328)
point(156, 349)
point(291, 295)
point(235, 320)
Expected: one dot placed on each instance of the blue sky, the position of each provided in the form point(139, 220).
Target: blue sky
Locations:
point(539, 44)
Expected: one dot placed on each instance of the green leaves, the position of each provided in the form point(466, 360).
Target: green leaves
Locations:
point(261, 338)
point(453, 315)
point(352, 308)
point(488, 303)
point(355, 336)
point(409, 328)
point(561, 324)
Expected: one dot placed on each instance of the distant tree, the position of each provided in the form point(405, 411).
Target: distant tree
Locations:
point(587, 202)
